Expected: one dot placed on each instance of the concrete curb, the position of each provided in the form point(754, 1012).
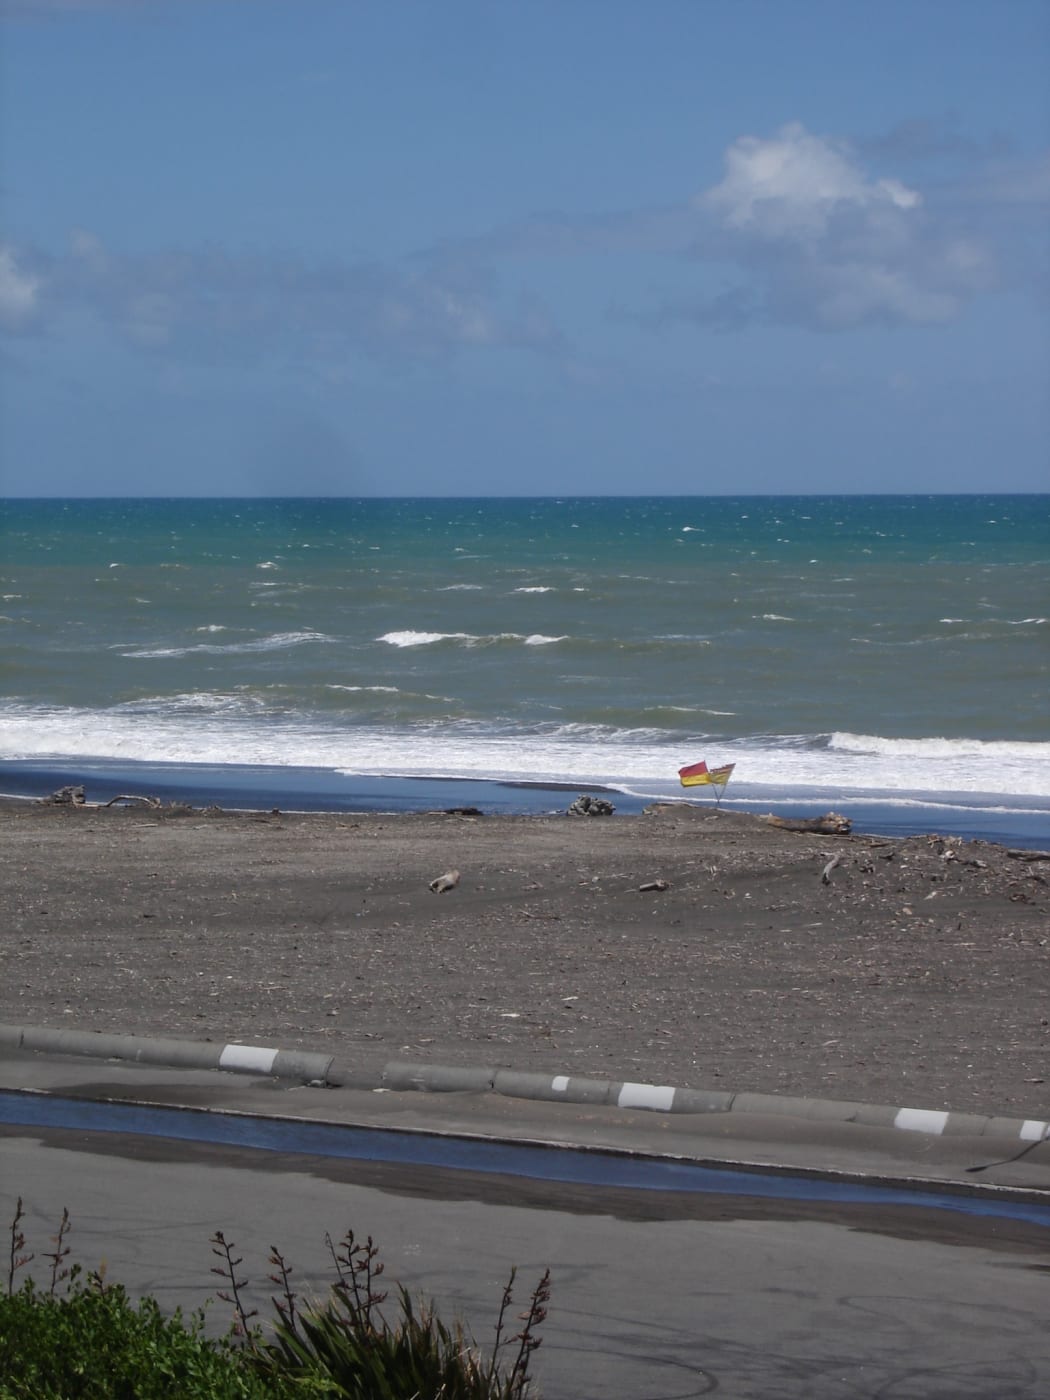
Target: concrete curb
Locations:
point(176, 1054)
point(401, 1075)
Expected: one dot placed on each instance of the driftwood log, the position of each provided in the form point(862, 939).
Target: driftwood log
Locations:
point(74, 797)
point(830, 824)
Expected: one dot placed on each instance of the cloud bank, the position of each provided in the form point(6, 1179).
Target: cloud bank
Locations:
point(797, 231)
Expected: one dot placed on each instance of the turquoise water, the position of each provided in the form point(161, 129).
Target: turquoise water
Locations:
point(838, 648)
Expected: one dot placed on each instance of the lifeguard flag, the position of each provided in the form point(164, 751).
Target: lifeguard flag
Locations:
point(697, 773)
point(694, 773)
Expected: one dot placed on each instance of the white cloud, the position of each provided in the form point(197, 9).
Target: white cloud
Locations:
point(792, 185)
point(820, 241)
point(18, 292)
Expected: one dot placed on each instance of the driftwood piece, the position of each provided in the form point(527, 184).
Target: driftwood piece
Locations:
point(1029, 855)
point(133, 797)
point(67, 796)
point(830, 824)
point(445, 882)
point(653, 885)
point(825, 874)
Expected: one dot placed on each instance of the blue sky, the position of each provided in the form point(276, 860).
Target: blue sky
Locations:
point(341, 247)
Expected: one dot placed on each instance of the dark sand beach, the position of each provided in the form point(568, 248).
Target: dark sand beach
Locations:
point(917, 974)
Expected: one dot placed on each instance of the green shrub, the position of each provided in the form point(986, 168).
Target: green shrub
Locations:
point(84, 1339)
point(93, 1343)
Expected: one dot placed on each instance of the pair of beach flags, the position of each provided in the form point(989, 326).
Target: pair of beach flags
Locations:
point(695, 774)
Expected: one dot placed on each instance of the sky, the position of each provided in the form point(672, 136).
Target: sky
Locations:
point(524, 247)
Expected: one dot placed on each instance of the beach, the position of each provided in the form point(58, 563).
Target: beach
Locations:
point(882, 652)
point(913, 971)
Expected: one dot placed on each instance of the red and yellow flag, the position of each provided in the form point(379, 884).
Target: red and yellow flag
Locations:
point(696, 773)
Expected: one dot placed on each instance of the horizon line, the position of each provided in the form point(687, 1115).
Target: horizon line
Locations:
point(540, 496)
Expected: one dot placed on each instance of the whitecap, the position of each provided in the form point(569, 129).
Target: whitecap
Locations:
point(411, 638)
point(277, 642)
point(534, 588)
point(385, 689)
point(421, 639)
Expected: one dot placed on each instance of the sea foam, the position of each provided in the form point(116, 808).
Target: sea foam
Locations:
point(217, 728)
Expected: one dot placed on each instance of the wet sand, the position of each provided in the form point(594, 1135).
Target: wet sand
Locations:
point(918, 974)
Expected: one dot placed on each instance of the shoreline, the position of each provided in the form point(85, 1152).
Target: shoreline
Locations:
point(679, 946)
point(1008, 821)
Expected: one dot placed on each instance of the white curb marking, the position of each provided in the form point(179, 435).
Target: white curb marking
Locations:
point(645, 1096)
point(560, 1083)
point(251, 1057)
point(1032, 1130)
point(921, 1120)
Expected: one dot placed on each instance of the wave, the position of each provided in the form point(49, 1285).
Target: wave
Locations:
point(386, 689)
point(211, 702)
point(277, 642)
point(467, 639)
point(925, 640)
point(997, 750)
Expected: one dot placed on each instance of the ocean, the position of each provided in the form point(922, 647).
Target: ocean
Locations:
point(887, 657)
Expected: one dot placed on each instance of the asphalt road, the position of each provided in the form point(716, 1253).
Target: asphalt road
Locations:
point(656, 1296)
